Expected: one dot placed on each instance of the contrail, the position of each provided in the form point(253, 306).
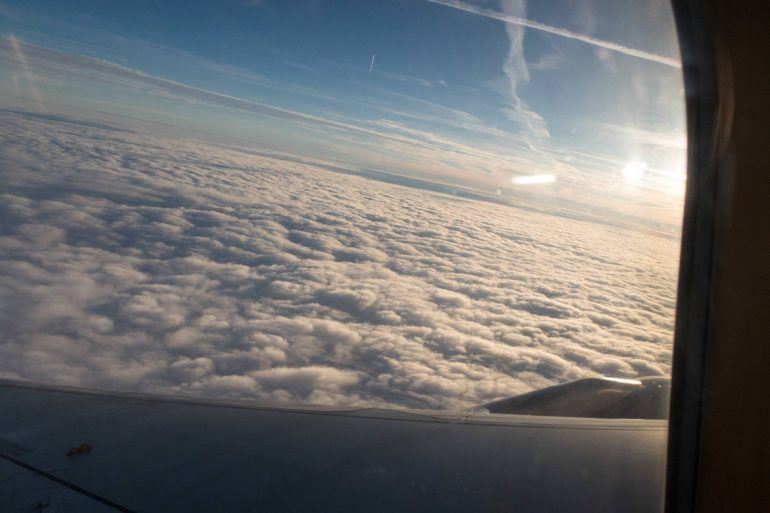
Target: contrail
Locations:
point(371, 66)
point(489, 13)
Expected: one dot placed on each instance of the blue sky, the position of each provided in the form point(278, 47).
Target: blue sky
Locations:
point(585, 93)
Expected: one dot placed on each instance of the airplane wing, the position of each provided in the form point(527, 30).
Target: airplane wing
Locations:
point(82, 450)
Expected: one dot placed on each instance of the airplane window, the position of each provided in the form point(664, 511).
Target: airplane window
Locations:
point(425, 204)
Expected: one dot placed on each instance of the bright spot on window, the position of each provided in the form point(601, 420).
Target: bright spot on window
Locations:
point(634, 172)
point(533, 179)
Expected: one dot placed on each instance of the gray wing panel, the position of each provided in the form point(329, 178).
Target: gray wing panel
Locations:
point(161, 454)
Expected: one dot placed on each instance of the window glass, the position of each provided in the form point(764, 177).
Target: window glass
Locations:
point(413, 204)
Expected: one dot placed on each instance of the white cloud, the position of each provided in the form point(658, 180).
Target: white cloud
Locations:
point(150, 263)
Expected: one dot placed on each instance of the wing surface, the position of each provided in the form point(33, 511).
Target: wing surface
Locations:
point(72, 449)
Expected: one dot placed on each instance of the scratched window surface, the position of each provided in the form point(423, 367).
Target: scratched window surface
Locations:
point(423, 204)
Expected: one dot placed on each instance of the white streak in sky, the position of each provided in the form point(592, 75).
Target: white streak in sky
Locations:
point(371, 66)
point(489, 13)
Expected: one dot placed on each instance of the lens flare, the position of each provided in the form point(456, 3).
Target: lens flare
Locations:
point(19, 54)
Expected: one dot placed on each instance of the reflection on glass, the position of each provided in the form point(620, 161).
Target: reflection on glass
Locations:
point(427, 204)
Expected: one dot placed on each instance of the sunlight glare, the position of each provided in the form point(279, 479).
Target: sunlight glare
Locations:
point(533, 179)
point(634, 172)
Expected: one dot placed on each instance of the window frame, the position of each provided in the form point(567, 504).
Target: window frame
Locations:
point(709, 115)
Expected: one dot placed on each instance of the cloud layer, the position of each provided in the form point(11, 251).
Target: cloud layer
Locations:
point(149, 263)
